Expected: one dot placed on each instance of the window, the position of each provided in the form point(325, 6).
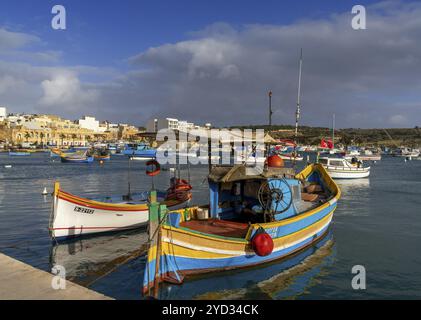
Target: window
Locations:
point(336, 163)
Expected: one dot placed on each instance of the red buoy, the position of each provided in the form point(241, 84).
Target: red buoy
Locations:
point(262, 244)
point(275, 161)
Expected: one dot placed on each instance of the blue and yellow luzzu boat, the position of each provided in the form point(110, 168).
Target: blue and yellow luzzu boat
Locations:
point(252, 219)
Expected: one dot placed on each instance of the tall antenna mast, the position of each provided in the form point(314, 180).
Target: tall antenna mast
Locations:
point(270, 107)
point(333, 132)
point(297, 112)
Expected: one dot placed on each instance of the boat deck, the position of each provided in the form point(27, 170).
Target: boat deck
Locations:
point(218, 227)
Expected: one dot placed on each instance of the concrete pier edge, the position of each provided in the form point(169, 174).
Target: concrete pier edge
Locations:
point(20, 281)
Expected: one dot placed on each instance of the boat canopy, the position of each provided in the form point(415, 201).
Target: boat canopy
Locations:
point(223, 174)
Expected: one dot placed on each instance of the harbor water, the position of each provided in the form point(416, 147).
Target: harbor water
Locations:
point(376, 225)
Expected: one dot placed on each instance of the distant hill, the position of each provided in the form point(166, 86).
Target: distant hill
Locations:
point(393, 137)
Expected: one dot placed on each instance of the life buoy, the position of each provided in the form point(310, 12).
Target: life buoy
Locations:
point(262, 244)
point(155, 171)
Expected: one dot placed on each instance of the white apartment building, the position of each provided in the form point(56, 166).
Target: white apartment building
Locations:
point(155, 125)
point(3, 113)
point(90, 123)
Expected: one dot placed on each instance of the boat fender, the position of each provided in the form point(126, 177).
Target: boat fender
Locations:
point(156, 170)
point(182, 185)
point(275, 161)
point(262, 243)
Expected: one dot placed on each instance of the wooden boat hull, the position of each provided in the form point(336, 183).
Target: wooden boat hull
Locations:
point(370, 158)
point(75, 216)
point(19, 154)
point(77, 160)
point(183, 251)
point(104, 158)
point(147, 153)
point(290, 157)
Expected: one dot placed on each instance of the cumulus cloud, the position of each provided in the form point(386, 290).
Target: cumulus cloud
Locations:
point(64, 90)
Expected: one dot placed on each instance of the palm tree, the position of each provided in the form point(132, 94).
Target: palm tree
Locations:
point(27, 136)
point(74, 136)
point(62, 136)
point(42, 135)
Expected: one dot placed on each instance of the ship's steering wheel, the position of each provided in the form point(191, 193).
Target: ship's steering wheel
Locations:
point(275, 196)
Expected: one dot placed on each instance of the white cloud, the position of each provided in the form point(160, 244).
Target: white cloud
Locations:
point(398, 120)
point(13, 40)
point(64, 90)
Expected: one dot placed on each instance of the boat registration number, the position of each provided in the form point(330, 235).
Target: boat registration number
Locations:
point(84, 210)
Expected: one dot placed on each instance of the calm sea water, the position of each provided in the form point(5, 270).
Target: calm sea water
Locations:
point(377, 225)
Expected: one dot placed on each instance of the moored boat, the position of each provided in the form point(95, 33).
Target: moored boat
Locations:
point(368, 155)
point(75, 216)
point(102, 154)
point(341, 168)
point(406, 152)
point(252, 219)
point(140, 150)
point(102, 157)
point(19, 153)
point(76, 157)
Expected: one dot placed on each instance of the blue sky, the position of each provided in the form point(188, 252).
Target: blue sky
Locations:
point(106, 32)
point(213, 61)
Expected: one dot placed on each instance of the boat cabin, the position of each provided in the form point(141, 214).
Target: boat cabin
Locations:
point(275, 194)
point(340, 162)
point(239, 198)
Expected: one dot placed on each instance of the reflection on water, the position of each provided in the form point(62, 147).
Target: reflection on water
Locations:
point(88, 259)
point(347, 185)
point(287, 278)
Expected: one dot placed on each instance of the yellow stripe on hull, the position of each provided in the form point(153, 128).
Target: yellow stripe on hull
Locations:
point(176, 243)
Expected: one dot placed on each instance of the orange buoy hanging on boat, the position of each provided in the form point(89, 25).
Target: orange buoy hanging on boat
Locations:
point(182, 185)
point(156, 170)
point(262, 243)
point(275, 161)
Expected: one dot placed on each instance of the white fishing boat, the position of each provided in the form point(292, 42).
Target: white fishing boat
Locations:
point(368, 155)
point(406, 152)
point(75, 216)
point(340, 168)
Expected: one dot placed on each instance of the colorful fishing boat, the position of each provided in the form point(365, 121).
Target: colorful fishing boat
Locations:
point(140, 150)
point(252, 218)
point(99, 157)
point(102, 154)
point(341, 168)
point(76, 157)
point(19, 153)
point(76, 216)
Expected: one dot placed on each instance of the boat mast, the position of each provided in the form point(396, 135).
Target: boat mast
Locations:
point(297, 112)
point(333, 133)
point(270, 108)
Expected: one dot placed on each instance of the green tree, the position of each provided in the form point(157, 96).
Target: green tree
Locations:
point(42, 135)
point(62, 136)
point(74, 136)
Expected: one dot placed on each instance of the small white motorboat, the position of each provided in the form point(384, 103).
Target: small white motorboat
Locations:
point(340, 168)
